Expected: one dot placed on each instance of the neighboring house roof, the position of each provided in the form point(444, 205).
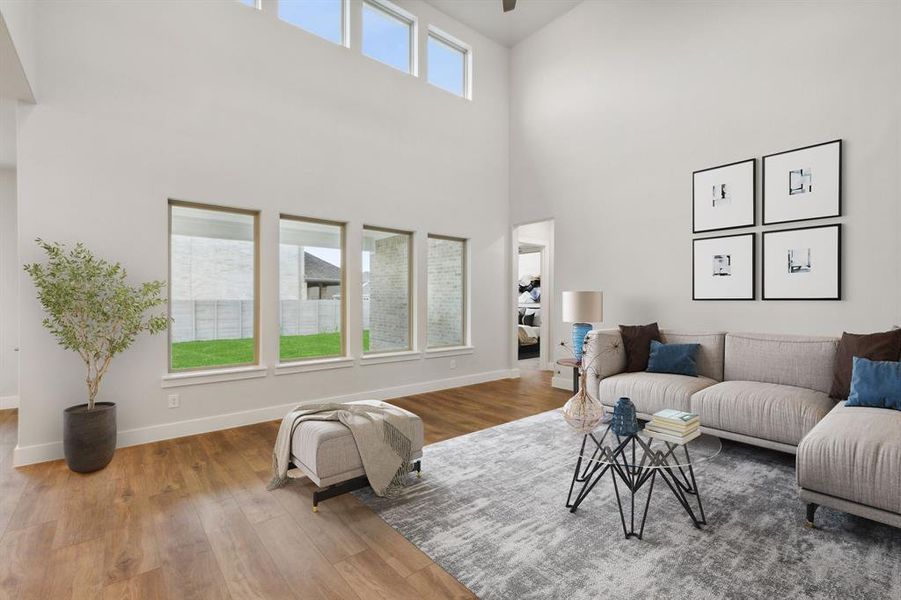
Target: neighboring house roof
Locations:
point(317, 270)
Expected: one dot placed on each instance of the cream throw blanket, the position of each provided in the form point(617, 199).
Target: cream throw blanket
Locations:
point(383, 434)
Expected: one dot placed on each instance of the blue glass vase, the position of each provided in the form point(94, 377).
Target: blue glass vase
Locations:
point(624, 422)
point(580, 330)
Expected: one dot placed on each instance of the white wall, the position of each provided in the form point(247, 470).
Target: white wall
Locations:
point(9, 291)
point(19, 61)
point(219, 103)
point(529, 264)
point(616, 103)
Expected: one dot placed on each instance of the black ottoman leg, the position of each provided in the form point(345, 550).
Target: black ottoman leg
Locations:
point(811, 510)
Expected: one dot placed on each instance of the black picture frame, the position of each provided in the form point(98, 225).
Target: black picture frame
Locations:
point(817, 218)
point(838, 246)
point(753, 223)
point(753, 296)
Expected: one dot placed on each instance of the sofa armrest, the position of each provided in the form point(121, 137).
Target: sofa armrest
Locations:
point(604, 356)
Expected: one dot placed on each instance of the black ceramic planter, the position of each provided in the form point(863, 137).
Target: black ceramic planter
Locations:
point(89, 436)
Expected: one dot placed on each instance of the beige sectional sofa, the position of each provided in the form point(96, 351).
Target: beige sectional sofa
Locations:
point(852, 461)
point(771, 391)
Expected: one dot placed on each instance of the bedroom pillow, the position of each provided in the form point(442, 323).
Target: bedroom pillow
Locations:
point(875, 383)
point(637, 344)
point(678, 359)
point(873, 346)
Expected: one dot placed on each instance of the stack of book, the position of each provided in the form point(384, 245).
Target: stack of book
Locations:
point(674, 426)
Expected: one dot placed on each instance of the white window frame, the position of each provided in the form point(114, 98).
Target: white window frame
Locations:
point(257, 4)
point(411, 349)
point(256, 363)
point(398, 13)
point(345, 23)
point(343, 356)
point(449, 40)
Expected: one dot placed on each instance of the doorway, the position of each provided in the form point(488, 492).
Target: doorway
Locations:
point(533, 294)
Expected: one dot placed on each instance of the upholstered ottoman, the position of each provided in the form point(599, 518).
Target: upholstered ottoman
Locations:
point(325, 452)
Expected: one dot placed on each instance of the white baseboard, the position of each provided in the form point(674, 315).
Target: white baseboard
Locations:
point(35, 453)
point(563, 382)
point(7, 402)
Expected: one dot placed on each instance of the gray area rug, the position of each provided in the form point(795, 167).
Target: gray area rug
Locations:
point(490, 510)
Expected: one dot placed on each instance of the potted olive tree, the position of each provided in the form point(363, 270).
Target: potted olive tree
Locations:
point(91, 309)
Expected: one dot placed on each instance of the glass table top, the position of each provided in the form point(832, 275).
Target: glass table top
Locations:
point(643, 451)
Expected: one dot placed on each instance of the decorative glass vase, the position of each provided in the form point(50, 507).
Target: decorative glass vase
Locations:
point(624, 420)
point(583, 412)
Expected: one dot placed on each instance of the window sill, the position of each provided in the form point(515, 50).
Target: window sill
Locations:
point(316, 364)
point(449, 351)
point(213, 376)
point(389, 357)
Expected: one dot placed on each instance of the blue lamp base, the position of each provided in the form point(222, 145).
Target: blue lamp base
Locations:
point(580, 330)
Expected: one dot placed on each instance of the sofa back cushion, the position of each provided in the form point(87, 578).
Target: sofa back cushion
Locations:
point(710, 353)
point(800, 361)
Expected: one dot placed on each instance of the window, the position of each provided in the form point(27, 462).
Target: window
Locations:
point(324, 18)
point(214, 286)
point(447, 292)
point(311, 289)
point(388, 34)
point(386, 290)
point(448, 64)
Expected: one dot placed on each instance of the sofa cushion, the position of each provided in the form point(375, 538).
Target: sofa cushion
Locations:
point(779, 413)
point(799, 361)
point(876, 383)
point(710, 354)
point(854, 454)
point(673, 358)
point(326, 450)
point(637, 341)
point(651, 392)
point(874, 346)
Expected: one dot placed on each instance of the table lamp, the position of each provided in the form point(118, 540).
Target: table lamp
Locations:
point(582, 309)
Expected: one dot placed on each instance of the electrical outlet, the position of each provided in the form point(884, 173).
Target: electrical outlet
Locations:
point(173, 401)
point(453, 363)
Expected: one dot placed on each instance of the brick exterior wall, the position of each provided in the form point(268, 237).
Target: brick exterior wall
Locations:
point(389, 294)
point(290, 272)
point(211, 269)
point(445, 293)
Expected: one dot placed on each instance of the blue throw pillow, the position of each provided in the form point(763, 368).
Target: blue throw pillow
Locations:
point(673, 358)
point(875, 383)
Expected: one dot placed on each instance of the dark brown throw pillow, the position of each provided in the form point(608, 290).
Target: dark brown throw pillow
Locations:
point(873, 346)
point(637, 344)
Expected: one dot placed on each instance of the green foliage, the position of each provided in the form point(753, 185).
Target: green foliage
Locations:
point(91, 308)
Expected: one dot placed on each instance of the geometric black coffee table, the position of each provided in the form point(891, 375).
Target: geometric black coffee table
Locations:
point(635, 462)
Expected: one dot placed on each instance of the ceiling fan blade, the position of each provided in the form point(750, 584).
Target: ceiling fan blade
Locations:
point(509, 5)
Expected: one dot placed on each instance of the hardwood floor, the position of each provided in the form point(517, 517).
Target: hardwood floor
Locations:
point(191, 517)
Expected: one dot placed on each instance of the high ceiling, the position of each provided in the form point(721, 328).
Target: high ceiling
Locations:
point(488, 18)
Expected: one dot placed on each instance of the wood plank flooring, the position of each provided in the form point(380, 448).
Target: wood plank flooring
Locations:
point(191, 517)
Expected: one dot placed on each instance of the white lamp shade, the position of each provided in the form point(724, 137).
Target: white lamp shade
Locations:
point(583, 307)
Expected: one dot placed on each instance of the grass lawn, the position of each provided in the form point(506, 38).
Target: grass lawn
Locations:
point(212, 353)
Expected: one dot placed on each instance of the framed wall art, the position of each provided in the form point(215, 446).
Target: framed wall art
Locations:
point(803, 184)
point(723, 267)
point(803, 264)
point(724, 197)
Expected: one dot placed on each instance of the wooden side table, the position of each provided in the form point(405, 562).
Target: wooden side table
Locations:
point(575, 365)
